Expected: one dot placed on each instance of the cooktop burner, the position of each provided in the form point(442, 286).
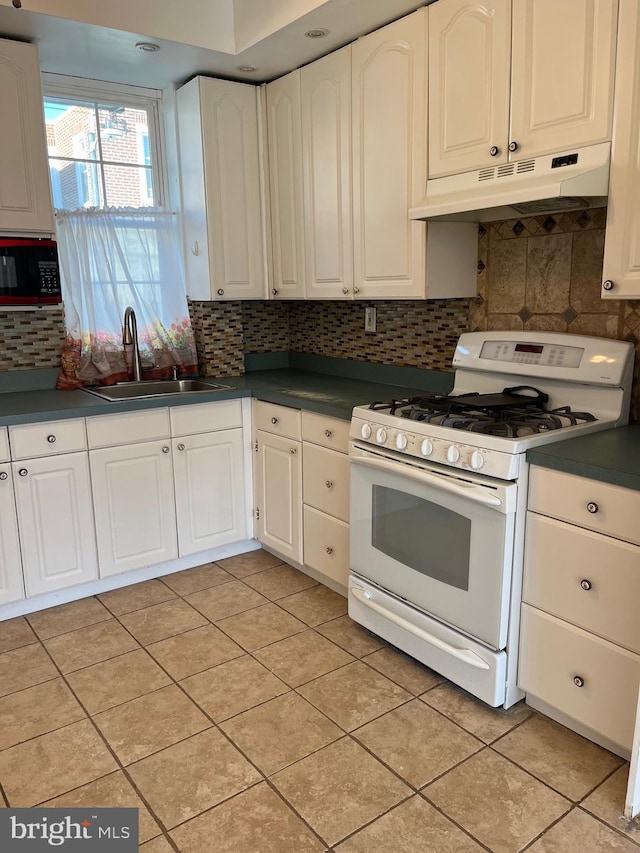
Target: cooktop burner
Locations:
point(509, 414)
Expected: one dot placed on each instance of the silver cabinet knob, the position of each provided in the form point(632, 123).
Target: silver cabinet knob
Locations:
point(356, 290)
point(494, 151)
point(329, 484)
point(345, 290)
point(578, 680)
point(51, 439)
point(328, 433)
point(329, 550)
point(513, 146)
point(166, 449)
point(3, 475)
point(220, 292)
point(585, 584)
point(23, 472)
point(608, 285)
point(294, 450)
point(274, 291)
point(592, 507)
point(274, 420)
point(181, 447)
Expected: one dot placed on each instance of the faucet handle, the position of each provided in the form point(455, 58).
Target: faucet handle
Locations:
point(174, 372)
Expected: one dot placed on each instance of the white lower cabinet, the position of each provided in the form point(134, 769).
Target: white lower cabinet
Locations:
point(134, 506)
point(580, 634)
point(209, 484)
point(279, 494)
point(55, 518)
point(11, 583)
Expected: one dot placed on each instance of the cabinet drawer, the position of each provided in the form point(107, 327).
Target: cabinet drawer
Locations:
point(206, 417)
point(46, 439)
point(553, 653)
point(329, 432)
point(110, 430)
point(280, 420)
point(561, 558)
point(4, 445)
point(613, 510)
point(326, 545)
point(325, 480)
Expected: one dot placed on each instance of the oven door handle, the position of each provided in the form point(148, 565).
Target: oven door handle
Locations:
point(471, 492)
point(465, 655)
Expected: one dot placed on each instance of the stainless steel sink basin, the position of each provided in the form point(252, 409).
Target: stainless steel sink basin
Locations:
point(155, 388)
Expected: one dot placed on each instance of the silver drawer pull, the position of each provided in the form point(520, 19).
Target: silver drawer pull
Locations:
point(3, 475)
point(294, 450)
point(23, 472)
point(592, 507)
point(585, 584)
point(329, 484)
point(181, 447)
point(274, 420)
point(51, 439)
point(578, 681)
point(166, 449)
point(328, 433)
point(329, 550)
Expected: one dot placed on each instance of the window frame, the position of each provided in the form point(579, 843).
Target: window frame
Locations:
point(138, 97)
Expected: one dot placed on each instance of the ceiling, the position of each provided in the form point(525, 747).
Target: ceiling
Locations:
point(210, 37)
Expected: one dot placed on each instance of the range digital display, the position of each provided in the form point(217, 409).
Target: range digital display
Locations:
point(535, 348)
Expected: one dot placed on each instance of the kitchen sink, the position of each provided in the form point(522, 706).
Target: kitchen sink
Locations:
point(154, 388)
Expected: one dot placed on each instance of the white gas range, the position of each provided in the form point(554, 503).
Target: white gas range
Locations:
point(438, 496)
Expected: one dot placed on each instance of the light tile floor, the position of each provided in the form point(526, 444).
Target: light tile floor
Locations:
point(242, 711)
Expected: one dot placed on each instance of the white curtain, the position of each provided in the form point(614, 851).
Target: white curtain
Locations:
point(110, 260)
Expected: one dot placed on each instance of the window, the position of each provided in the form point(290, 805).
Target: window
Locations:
point(118, 245)
point(101, 151)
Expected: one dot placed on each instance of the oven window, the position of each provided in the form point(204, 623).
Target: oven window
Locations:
point(421, 535)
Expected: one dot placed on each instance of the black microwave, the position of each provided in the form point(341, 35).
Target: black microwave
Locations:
point(29, 272)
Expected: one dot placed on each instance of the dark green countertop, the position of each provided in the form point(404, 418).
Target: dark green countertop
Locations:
point(325, 393)
point(611, 456)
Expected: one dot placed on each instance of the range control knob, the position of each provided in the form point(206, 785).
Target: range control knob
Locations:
point(365, 430)
point(401, 441)
point(426, 448)
point(381, 435)
point(453, 454)
point(477, 460)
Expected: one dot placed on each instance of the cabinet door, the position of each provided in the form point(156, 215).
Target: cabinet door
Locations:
point(279, 494)
point(621, 271)
point(563, 60)
point(55, 518)
point(209, 482)
point(222, 202)
point(469, 71)
point(25, 195)
point(285, 183)
point(134, 505)
point(389, 159)
point(326, 154)
point(11, 585)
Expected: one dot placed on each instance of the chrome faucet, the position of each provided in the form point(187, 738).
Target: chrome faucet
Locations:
point(130, 339)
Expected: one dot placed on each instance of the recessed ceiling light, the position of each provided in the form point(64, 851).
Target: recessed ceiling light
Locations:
point(148, 46)
point(318, 33)
point(247, 69)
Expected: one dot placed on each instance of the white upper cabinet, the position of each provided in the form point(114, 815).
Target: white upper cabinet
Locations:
point(25, 195)
point(389, 133)
point(286, 186)
point(469, 56)
point(222, 198)
point(513, 79)
point(621, 272)
point(326, 155)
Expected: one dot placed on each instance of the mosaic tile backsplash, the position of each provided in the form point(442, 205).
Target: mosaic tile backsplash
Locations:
point(538, 273)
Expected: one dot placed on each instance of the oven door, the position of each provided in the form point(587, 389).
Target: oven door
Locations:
point(440, 539)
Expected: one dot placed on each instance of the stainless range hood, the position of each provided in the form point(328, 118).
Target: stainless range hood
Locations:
point(551, 183)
